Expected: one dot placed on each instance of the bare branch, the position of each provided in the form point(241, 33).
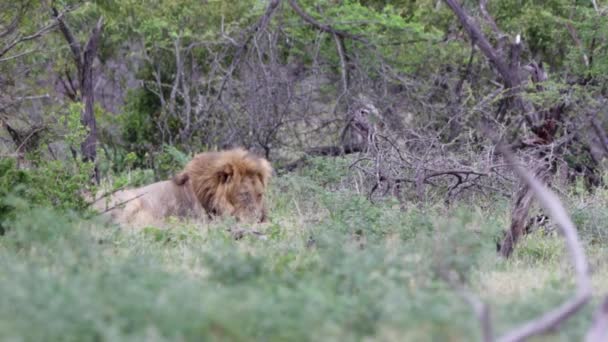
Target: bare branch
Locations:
point(248, 35)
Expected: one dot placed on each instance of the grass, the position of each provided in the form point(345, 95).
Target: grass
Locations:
point(332, 267)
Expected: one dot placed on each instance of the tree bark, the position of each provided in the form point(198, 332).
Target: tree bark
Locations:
point(519, 215)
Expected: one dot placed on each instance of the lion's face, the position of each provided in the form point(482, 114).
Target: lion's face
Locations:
point(247, 200)
point(229, 183)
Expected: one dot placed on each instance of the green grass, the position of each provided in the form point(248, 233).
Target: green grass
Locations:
point(333, 267)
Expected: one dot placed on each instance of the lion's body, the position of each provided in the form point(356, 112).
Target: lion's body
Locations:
point(151, 204)
point(212, 184)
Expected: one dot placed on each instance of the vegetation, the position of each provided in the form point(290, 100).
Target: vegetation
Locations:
point(390, 125)
point(332, 266)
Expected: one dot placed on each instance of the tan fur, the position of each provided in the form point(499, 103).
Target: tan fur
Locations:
point(230, 182)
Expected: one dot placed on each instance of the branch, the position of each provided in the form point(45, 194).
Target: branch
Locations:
point(482, 42)
point(487, 17)
point(320, 26)
point(121, 203)
point(578, 42)
point(67, 33)
point(331, 151)
point(33, 36)
point(12, 26)
point(343, 61)
point(556, 211)
point(90, 49)
point(597, 9)
point(248, 35)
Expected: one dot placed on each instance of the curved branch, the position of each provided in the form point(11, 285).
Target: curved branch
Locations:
point(554, 208)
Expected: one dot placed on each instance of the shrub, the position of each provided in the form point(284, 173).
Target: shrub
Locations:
point(61, 185)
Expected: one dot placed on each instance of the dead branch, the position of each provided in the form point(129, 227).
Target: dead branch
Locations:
point(69, 37)
point(330, 151)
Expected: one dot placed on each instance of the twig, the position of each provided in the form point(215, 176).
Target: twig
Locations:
point(122, 203)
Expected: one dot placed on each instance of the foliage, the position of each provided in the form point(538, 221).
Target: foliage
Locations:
point(52, 184)
point(305, 282)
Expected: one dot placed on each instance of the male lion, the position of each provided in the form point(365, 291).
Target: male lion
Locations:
point(222, 183)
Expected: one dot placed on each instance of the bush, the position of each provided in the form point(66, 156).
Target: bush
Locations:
point(51, 184)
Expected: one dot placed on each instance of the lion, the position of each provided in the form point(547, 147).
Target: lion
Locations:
point(226, 183)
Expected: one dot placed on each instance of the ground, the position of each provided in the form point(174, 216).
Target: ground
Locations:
point(330, 266)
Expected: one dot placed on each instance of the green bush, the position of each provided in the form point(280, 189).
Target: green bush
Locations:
point(61, 185)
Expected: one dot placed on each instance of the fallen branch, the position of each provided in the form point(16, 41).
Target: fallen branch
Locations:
point(328, 151)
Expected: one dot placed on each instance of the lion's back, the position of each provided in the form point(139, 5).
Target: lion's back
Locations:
point(147, 205)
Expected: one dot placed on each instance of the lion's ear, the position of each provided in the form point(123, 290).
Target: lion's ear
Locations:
point(181, 178)
point(225, 173)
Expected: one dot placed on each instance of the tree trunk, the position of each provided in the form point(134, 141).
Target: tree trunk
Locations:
point(84, 64)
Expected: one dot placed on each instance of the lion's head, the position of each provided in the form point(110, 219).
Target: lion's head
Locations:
point(230, 182)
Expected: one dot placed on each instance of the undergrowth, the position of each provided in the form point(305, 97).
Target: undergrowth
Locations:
point(331, 266)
